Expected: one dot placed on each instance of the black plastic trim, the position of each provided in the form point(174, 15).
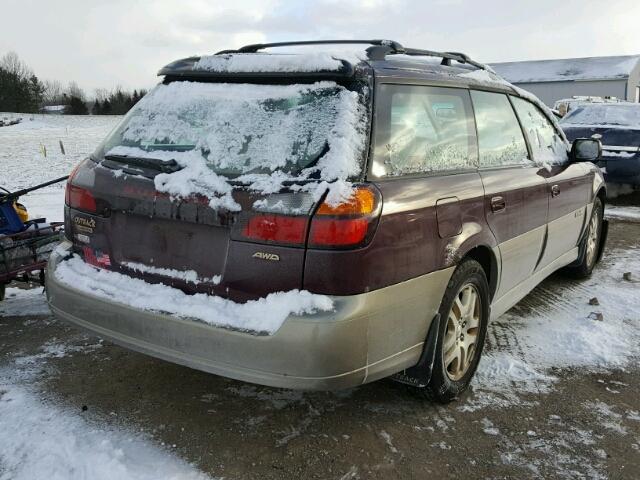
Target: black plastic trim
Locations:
point(420, 374)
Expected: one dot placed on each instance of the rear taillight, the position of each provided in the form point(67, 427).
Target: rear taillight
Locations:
point(328, 232)
point(80, 198)
point(346, 225)
point(77, 197)
point(276, 228)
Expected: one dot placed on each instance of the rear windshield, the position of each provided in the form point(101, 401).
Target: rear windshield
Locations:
point(622, 115)
point(240, 128)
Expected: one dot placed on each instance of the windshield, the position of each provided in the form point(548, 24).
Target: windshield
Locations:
point(621, 115)
point(235, 128)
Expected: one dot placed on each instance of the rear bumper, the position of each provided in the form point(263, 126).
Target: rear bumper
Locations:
point(367, 336)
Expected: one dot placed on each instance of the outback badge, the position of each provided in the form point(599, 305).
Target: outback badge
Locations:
point(83, 224)
point(273, 257)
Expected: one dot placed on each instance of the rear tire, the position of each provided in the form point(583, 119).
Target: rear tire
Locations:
point(590, 244)
point(464, 316)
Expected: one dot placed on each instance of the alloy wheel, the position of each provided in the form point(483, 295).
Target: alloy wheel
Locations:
point(592, 237)
point(461, 335)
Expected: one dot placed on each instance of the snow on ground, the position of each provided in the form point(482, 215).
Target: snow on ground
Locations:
point(626, 212)
point(40, 438)
point(24, 164)
point(23, 303)
point(50, 441)
point(558, 328)
point(263, 315)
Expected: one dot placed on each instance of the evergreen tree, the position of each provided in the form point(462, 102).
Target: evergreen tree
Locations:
point(76, 106)
point(20, 89)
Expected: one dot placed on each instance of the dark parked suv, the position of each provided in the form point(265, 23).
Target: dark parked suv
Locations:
point(618, 127)
point(321, 221)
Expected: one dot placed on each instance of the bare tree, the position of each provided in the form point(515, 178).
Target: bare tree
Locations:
point(75, 91)
point(101, 94)
point(53, 92)
point(12, 64)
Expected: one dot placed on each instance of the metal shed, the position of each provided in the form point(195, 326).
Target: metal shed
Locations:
point(551, 80)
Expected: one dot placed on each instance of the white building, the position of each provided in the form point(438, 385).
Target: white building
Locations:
point(552, 80)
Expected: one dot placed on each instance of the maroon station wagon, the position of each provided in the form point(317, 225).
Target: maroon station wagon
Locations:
point(462, 196)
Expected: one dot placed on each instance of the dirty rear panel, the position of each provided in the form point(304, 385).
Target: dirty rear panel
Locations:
point(141, 231)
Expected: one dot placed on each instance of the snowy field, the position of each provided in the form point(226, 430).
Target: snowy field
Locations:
point(556, 333)
point(23, 160)
point(48, 441)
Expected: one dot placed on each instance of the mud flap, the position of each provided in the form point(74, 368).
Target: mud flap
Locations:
point(604, 233)
point(420, 374)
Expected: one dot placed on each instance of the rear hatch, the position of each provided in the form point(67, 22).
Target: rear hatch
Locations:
point(220, 188)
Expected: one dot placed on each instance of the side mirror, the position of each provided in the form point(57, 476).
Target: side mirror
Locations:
point(585, 150)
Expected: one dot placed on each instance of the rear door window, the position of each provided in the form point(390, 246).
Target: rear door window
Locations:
point(423, 130)
point(500, 140)
point(547, 146)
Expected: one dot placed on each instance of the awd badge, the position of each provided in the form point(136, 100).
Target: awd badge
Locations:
point(273, 257)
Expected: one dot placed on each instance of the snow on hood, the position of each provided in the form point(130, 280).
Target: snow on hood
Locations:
point(269, 62)
point(263, 315)
point(238, 127)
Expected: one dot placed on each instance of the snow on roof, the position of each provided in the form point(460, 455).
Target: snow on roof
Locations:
point(589, 68)
point(269, 62)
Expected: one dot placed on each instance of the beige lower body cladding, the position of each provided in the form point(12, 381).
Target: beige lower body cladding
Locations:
point(366, 337)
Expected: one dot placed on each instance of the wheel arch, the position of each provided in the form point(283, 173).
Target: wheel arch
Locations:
point(602, 194)
point(489, 263)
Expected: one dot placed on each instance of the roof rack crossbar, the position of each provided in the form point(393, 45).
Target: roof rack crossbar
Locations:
point(447, 57)
point(378, 50)
point(395, 47)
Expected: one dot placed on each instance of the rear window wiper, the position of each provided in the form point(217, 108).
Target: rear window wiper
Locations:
point(164, 166)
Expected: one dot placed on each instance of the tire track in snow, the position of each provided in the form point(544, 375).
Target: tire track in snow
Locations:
point(550, 328)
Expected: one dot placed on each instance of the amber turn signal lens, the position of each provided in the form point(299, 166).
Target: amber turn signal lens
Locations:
point(362, 202)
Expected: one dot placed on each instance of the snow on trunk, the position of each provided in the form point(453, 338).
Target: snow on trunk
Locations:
point(259, 135)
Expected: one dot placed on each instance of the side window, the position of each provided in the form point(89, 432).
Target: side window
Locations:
point(423, 130)
point(546, 143)
point(500, 140)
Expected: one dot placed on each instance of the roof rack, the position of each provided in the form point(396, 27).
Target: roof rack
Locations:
point(447, 57)
point(378, 50)
point(253, 48)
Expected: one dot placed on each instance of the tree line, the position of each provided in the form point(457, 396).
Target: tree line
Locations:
point(22, 91)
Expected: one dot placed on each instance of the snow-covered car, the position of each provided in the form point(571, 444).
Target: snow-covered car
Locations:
point(320, 221)
point(617, 125)
point(565, 105)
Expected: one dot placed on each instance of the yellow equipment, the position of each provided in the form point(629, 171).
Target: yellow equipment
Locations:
point(21, 210)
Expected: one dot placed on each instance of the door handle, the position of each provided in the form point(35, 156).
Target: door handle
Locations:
point(498, 204)
point(555, 190)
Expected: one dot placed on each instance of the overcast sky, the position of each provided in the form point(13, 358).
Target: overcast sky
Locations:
point(125, 42)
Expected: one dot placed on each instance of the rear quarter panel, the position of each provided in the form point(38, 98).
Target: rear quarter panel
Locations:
point(408, 241)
